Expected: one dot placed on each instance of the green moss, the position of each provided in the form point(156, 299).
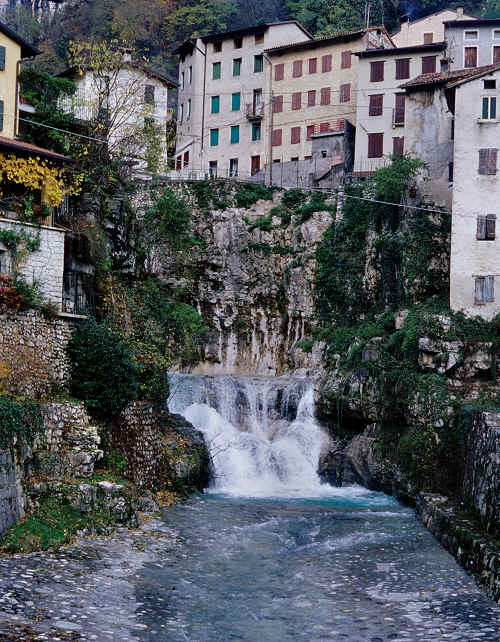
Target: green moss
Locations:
point(20, 421)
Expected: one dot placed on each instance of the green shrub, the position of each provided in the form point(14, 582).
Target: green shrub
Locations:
point(103, 373)
point(169, 220)
point(247, 194)
point(19, 421)
point(294, 198)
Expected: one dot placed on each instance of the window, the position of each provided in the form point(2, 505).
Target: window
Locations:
point(277, 160)
point(276, 137)
point(376, 105)
point(212, 169)
point(470, 57)
point(377, 71)
point(258, 64)
point(178, 162)
point(238, 43)
point(255, 131)
point(326, 63)
point(484, 289)
point(214, 137)
point(450, 172)
point(235, 101)
point(294, 159)
point(190, 75)
point(375, 145)
point(217, 46)
point(490, 84)
point(402, 68)
point(471, 35)
point(307, 157)
point(2, 58)
point(345, 93)
point(182, 80)
point(399, 109)
point(279, 72)
point(186, 159)
point(1, 114)
point(215, 106)
point(428, 64)
point(296, 100)
point(496, 55)
point(496, 34)
point(325, 96)
point(309, 131)
point(255, 165)
point(235, 134)
point(313, 65)
point(189, 108)
point(233, 167)
point(428, 38)
point(398, 144)
point(324, 127)
point(295, 135)
point(311, 98)
point(277, 104)
point(236, 66)
point(297, 68)
point(181, 113)
point(345, 60)
point(489, 111)
point(215, 71)
point(488, 161)
point(259, 38)
point(486, 227)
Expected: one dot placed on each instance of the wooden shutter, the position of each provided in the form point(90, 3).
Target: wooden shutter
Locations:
point(481, 228)
point(296, 100)
point(402, 68)
point(488, 161)
point(377, 71)
point(311, 98)
point(376, 105)
point(295, 137)
point(345, 93)
point(324, 127)
point(491, 220)
point(276, 137)
point(325, 96)
point(309, 131)
point(297, 68)
point(496, 55)
point(313, 65)
point(399, 109)
point(277, 104)
point(279, 72)
point(375, 145)
point(326, 63)
point(345, 62)
point(489, 289)
point(398, 143)
point(470, 58)
point(428, 64)
point(428, 38)
point(2, 58)
point(479, 290)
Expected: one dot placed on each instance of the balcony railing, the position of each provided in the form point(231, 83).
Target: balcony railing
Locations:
point(255, 112)
point(78, 293)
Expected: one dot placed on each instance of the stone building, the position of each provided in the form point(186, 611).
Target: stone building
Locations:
point(380, 110)
point(223, 104)
point(472, 42)
point(315, 88)
point(428, 29)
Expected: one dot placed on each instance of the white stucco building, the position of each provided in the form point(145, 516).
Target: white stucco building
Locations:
point(429, 29)
point(128, 101)
point(224, 102)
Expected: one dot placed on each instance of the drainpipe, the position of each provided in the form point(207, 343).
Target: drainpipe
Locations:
point(271, 121)
point(16, 107)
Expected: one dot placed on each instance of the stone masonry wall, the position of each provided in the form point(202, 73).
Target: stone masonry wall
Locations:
point(45, 267)
point(32, 349)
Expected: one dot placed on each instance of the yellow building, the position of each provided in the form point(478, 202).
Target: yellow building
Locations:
point(13, 49)
point(314, 88)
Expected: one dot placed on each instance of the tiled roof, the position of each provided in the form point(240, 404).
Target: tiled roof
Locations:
point(252, 29)
point(449, 78)
point(76, 71)
point(324, 40)
point(21, 146)
point(397, 51)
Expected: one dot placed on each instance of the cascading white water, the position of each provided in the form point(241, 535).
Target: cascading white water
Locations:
point(261, 432)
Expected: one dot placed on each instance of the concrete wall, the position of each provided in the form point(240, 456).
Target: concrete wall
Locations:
point(485, 42)
point(428, 137)
point(412, 33)
point(45, 267)
point(8, 84)
point(473, 195)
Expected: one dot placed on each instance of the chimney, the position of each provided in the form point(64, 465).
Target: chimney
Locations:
point(460, 13)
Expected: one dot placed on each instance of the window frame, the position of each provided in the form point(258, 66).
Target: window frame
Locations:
point(237, 65)
point(345, 89)
point(237, 95)
point(493, 34)
point(482, 279)
point(217, 65)
point(214, 135)
point(476, 31)
point(476, 47)
point(374, 107)
point(214, 101)
point(428, 58)
point(312, 63)
point(380, 136)
point(258, 58)
point(486, 227)
point(401, 60)
point(311, 93)
point(255, 127)
point(235, 129)
point(490, 100)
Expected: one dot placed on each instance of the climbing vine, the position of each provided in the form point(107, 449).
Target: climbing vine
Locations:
point(19, 421)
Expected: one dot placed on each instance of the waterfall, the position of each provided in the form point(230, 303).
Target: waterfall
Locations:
point(261, 432)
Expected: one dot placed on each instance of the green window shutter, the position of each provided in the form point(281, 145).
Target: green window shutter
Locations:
point(215, 104)
point(485, 108)
point(493, 107)
point(235, 134)
point(2, 58)
point(236, 66)
point(216, 71)
point(258, 63)
point(255, 131)
point(1, 115)
point(214, 137)
point(235, 103)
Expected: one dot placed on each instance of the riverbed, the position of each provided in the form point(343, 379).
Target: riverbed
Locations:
point(354, 566)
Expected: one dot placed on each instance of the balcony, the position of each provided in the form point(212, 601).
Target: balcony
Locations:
point(254, 112)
